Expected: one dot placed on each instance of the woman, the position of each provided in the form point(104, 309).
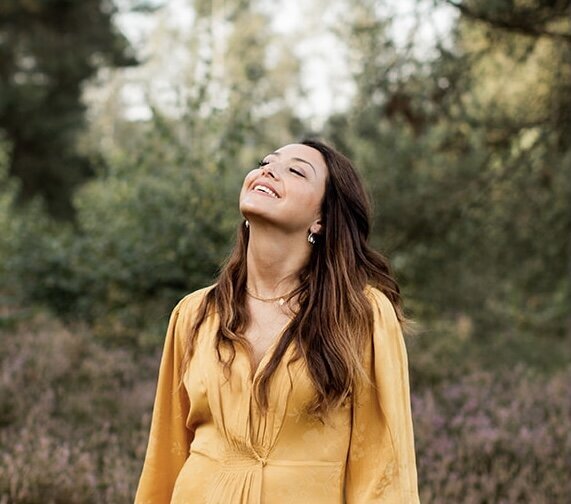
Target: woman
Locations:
point(287, 382)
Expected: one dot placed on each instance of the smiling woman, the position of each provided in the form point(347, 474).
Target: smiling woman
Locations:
point(287, 380)
point(283, 196)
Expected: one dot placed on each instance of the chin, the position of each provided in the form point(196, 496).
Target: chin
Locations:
point(248, 206)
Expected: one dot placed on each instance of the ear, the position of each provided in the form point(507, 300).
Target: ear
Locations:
point(315, 228)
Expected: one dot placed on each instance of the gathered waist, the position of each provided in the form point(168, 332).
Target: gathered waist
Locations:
point(247, 459)
point(241, 476)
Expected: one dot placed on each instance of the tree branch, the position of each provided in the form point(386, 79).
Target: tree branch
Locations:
point(518, 26)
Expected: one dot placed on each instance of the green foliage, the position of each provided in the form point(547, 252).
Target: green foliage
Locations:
point(470, 178)
point(48, 50)
point(7, 195)
point(25, 237)
point(159, 223)
point(160, 216)
point(152, 228)
point(449, 350)
point(468, 161)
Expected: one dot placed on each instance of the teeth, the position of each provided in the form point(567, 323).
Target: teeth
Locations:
point(266, 190)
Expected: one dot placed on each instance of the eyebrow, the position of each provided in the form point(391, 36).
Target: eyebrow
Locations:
point(276, 153)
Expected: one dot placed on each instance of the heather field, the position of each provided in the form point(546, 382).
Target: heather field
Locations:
point(74, 417)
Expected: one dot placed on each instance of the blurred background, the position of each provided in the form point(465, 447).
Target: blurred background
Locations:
point(126, 128)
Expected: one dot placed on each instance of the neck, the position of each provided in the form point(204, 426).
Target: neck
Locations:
point(274, 260)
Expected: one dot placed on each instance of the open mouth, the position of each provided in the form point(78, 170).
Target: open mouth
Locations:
point(265, 190)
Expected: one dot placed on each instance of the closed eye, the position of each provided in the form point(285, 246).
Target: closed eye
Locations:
point(297, 172)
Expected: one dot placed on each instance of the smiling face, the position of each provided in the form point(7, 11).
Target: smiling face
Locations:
point(286, 189)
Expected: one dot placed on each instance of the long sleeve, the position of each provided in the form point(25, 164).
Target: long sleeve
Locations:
point(381, 466)
point(169, 439)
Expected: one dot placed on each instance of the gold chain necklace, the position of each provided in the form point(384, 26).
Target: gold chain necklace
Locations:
point(279, 299)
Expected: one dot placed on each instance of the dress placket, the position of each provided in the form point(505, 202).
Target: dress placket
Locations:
point(250, 434)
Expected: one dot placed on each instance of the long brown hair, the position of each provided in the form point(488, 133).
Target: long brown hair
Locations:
point(335, 318)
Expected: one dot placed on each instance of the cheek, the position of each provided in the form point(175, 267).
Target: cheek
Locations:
point(315, 196)
point(248, 180)
point(310, 201)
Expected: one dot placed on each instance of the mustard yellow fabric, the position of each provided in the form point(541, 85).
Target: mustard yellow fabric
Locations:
point(209, 444)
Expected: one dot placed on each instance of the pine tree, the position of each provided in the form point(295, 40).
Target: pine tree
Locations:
point(48, 51)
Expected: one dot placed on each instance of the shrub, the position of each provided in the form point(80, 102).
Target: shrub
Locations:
point(154, 225)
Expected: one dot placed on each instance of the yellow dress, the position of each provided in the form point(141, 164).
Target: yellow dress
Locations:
point(209, 444)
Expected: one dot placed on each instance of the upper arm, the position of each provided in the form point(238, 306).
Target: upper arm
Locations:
point(381, 464)
point(169, 438)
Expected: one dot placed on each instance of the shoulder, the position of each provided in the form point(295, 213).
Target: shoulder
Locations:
point(383, 308)
point(378, 298)
point(190, 303)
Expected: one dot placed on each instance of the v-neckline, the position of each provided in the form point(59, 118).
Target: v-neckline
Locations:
point(262, 363)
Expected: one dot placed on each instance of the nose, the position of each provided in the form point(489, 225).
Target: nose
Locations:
point(268, 170)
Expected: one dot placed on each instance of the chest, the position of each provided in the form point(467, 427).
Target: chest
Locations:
point(267, 323)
